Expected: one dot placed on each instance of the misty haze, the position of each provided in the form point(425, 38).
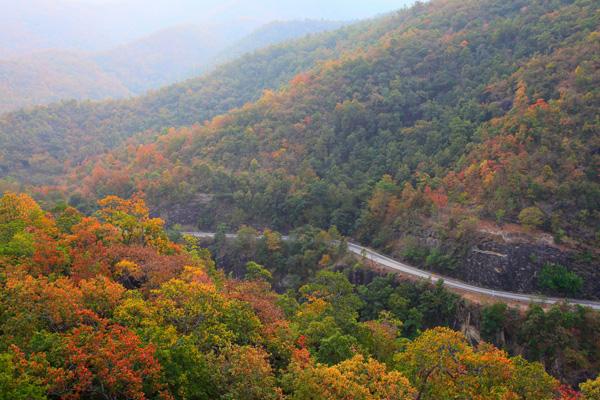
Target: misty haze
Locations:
point(300, 200)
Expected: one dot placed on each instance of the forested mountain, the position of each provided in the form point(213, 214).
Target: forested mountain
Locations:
point(183, 52)
point(459, 135)
point(162, 58)
point(30, 26)
point(106, 306)
point(444, 128)
point(273, 33)
point(37, 143)
point(169, 55)
point(52, 76)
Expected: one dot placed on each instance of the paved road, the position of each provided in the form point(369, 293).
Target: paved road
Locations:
point(449, 282)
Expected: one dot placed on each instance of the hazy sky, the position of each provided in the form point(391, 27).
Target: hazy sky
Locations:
point(259, 9)
point(100, 24)
point(340, 9)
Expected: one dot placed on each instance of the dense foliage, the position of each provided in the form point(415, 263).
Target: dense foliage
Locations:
point(562, 338)
point(134, 68)
point(437, 122)
point(39, 144)
point(108, 307)
point(462, 112)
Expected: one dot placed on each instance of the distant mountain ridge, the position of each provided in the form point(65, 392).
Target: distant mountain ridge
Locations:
point(51, 76)
point(96, 26)
point(275, 32)
point(40, 143)
point(160, 59)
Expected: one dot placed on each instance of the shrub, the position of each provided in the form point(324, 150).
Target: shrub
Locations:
point(531, 217)
point(493, 320)
point(557, 278)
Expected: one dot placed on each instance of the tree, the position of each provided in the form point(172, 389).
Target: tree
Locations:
point(531, 381)
point(334, 288)
point(132, 218)
point(195, 307)
point(356, 379)
point(555, 277)
point(19, 215)
point(34, 304)
point(109, 361)
point(493, 319)
point(441, 364)
point(89, 246)
point(531, 217)
point(16, 383)
point(256, 271)
point(245, 374)
point(591, 389)
point(337, 348)
point(187, 372)
point(101, 295)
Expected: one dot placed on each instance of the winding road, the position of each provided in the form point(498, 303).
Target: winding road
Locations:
point(451, 283)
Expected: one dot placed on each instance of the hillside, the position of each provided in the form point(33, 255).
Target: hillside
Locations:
point(107, 306)
point(170, 55)
point(47, 77)
point(154, 61)
point(410, 145)
point(273, 33)
point(35, 144)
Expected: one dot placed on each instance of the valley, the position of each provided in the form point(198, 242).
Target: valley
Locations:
point(289, 200)
point(377, 260)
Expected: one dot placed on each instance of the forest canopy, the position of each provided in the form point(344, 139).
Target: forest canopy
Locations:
point(106, 306)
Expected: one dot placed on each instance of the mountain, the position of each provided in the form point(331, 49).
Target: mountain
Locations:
point(39, 143)
point(458, 135)
point(463, 144)
point(168, 56)
point(273, 33)
point(467, 145)
point(51, 76)
point(165, 57)
point(183, 52)
point(95, 26)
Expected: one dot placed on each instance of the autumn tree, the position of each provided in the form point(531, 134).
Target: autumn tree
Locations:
point(245, 374)
point(591, 389)
point(132, 218)
point(16, 383)
point(441, 364)
point(357, 378)
point(110, 362)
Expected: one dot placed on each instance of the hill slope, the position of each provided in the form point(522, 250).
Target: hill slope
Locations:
point(273, 33)
point(167, 56)
point(35, 144)
point(51, 76)
point(489, 115)
point(163, 58)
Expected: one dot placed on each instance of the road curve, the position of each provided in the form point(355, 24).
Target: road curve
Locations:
point(449, 282)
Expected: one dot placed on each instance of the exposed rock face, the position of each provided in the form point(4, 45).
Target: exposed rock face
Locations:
point(187, 212)
point(506, 257)
point(516, 266)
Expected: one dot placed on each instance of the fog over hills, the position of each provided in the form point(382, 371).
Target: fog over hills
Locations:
point(54, 50)
point(31, 25)
point(162, 58)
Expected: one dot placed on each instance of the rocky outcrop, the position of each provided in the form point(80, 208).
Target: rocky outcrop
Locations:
point(516, 266)
point(512, 261)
